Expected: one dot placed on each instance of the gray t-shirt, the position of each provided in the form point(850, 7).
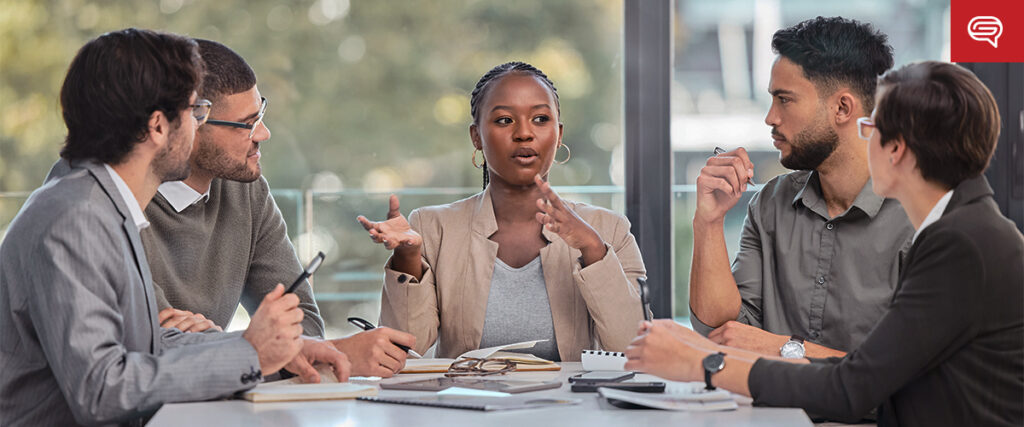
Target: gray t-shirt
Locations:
point(826, 279)
point(518, 310)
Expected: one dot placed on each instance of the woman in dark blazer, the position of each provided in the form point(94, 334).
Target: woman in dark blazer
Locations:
point(950, 350)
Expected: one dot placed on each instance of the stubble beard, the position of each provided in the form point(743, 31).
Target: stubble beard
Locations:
point(171, 162)
point(210, 157)
point(811, 147)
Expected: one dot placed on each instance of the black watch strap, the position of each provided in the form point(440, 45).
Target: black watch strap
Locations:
point(797, 338)
point(712, 364)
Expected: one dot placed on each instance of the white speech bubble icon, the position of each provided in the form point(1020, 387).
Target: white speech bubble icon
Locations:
point(985, 29)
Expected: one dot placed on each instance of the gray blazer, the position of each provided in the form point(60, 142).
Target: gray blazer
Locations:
point(79, 338)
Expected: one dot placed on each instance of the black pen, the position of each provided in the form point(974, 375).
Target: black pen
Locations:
point(366, 326)
point(310, 269)
point(720, 150)
point(644, 304)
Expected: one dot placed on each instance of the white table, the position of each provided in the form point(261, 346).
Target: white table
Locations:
point(593, 411)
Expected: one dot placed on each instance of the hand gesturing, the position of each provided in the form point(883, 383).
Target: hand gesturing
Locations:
point(559, 219)
point(394, 232)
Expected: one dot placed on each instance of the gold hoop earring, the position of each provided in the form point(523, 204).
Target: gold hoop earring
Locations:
point(568, 153)
point(474, 159)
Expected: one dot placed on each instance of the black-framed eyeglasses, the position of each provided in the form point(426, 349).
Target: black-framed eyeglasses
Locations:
point(252, 127)
point(201, 110)
point(472, 366)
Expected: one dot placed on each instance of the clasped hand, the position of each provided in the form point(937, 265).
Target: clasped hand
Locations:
point(669, 350)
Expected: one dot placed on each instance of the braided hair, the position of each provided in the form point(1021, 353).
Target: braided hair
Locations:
point(494, 74)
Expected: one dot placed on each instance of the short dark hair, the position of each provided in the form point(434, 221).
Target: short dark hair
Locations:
point(227, 73)
point(116, 81)
point(836, 51)
point(483, 85)
point(948, 118)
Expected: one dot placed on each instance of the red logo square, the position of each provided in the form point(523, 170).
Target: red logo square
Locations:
point(987, 30)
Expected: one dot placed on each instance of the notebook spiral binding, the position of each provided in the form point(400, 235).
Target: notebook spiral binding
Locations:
point(599, 360)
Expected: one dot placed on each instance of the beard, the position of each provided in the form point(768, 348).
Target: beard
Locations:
point(811, 147)
point(171, 162)
point(210, 157)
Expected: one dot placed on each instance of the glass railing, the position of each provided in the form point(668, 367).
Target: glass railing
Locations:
point(349, 282)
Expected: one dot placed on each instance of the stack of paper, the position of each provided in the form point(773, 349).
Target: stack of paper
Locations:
point(524, 361)
point(273, 392)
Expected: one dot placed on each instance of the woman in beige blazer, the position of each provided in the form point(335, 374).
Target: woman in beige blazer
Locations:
point(439, 279)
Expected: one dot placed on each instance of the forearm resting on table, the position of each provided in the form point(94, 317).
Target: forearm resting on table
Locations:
point(714, 297)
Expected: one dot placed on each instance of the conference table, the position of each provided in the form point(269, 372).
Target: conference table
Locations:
point(593, 411)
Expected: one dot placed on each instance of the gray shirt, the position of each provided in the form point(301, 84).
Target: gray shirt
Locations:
point(230, 249)
point(518, 309)
point(826, 279)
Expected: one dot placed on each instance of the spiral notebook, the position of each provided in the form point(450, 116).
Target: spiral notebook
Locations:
point(599, 360)
point(475, 403)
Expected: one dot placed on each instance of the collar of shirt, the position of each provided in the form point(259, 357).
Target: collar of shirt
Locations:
point(935, 213)
point(867, 201)
point(129, 199)
point(181, 196)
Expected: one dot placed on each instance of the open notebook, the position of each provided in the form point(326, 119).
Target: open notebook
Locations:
point(524, 361)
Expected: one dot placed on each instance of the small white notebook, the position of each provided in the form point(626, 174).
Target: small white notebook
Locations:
point(598, 360)
point(271, 392)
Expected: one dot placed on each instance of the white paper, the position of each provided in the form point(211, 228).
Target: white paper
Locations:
point(461, 391)
point(679, 397)
point(484, 353)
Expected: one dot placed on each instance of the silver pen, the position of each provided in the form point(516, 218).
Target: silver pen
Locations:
point(720, 150)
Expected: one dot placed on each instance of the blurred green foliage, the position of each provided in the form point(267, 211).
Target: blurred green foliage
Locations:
point(375, 92)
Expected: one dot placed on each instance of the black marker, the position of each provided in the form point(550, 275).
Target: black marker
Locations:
point(310, 269)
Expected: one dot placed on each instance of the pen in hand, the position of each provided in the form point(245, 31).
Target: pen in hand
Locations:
point(366, 326)
point(310, 269)
point(720, 150)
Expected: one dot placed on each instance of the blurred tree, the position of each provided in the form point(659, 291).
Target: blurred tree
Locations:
point(375, 92)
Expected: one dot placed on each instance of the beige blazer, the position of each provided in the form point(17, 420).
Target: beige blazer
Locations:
point(593, 307)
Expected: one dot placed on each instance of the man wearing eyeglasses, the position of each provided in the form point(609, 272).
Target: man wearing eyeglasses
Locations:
point(79, 338)
point(818, 258)
point(218, 238)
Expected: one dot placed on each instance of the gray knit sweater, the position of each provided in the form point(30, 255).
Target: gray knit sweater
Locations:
point(233, 248)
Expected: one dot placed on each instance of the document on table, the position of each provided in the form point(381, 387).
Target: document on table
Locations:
point(273, 392)
point(677, 397)
point(524, 361)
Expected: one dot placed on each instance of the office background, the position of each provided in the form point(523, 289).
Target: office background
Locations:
point(369, 98)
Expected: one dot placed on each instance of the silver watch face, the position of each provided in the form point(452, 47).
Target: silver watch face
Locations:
point(792, 350)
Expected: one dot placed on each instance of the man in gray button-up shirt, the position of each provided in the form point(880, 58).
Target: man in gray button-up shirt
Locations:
point(819, 253)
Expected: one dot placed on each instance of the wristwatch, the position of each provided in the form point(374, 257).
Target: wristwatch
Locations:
point(794, 348)
point(712, 364)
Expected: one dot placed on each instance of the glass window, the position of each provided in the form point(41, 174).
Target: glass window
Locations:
point(368, 98)
point(720, 95)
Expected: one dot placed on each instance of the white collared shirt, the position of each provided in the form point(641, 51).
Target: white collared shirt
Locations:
point(181, 196)
point(129, 199)
point(935, 214)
